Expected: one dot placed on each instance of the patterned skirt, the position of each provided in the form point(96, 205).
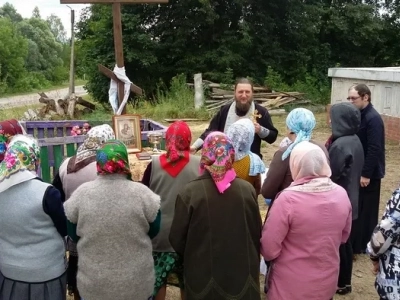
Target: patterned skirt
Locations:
point(54, 289)
point(168, 270)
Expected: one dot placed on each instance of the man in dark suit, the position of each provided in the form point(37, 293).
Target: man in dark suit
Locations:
point(372, 137)
point(243, 106)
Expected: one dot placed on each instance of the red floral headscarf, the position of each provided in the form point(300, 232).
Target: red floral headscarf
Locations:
point(178, 138)
point(8, 129)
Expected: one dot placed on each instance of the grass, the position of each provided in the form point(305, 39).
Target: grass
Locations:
point(16, 112)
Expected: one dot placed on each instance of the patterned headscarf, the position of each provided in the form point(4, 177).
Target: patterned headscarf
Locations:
point(241, 134)
point(300, 121)
point(178, 138)
point(20, 163)
point(8, 129)
point(86, 152)
point(217, 157)
point(112, 158)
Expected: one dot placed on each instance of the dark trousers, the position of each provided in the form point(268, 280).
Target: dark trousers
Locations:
point(346, 264)
point(368, 210)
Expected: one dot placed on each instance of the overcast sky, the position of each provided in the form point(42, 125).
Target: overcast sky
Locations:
point(46, 8)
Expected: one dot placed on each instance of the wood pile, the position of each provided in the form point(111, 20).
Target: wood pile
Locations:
point(56, 108)
point(219, 95)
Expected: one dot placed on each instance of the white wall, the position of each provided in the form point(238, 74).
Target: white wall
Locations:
point(385, 94)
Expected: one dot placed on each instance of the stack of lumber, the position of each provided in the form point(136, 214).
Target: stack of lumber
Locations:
point(219, 95)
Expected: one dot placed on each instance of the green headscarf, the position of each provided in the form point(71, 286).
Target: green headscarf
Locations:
point(112, 158)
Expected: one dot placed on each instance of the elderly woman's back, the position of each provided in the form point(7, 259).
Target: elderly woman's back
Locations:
point(113, 217)
point(304, 229)
point(33, 225)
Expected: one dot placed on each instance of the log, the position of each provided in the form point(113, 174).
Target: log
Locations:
point(86, 103)
point(60, 111)
point(57, 106)
point(71, 108)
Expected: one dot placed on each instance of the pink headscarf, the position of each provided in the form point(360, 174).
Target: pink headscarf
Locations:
point(217, 157)
point(307, 160)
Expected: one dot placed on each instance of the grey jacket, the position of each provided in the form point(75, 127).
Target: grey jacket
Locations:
point(346, 152)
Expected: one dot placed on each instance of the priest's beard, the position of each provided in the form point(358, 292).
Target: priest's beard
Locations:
point(242, 109)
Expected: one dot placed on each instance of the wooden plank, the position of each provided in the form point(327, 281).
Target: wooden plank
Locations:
point(110, 74)
point(58, 157)
point(40, 133)
point(53, 124)
point(44, 165)
point(71, 150)
point(61, 140)
point(185, 120)
point(118, 49)
point(112, 1)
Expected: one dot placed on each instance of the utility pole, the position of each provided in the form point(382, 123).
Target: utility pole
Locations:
point(72, 59)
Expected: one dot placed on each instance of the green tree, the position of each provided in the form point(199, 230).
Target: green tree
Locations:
point(57, 28)
point(13, 50)
point(8, 10)
point(36, 13)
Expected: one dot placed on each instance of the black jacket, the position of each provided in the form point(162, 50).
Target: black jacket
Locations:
point(372, 137)
point(217, 123)
point(346, 151)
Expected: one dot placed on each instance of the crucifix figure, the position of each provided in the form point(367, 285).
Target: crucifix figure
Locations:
point(119, 53)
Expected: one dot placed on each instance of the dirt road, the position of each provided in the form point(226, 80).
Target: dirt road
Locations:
point(29, 99)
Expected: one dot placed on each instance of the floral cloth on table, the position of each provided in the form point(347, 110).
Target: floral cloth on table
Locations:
point(217, 157)
point(20, 163)
point(112, 158)
point(178, 138)
point(242, 134)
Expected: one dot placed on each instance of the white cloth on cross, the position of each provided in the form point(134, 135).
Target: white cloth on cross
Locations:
point(113, 91)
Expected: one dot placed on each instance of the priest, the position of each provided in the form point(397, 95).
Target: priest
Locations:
point(243, 106)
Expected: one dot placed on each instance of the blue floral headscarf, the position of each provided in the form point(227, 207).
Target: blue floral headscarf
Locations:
point(300, 121)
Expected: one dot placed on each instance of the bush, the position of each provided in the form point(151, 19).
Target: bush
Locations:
point(315, 89)
point(175, 102)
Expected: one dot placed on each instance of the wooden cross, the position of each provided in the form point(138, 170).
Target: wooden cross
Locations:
point(118, 46)
point(256, 115)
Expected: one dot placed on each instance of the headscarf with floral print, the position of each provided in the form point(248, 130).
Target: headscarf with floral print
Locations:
point(20, 163)
point(86, 152)
point(217, 157)
point(178, 138)
point(8, 129)
point(112, 158)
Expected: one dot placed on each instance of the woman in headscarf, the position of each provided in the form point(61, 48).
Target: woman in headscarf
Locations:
point(115, 219)
point(8, 128)
point(384, 250)
point(73, 172)
point(33, 227)
point(216, 228)
point(304, 229)
point(247, 165)
point(166, 175)
point(300, 123)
